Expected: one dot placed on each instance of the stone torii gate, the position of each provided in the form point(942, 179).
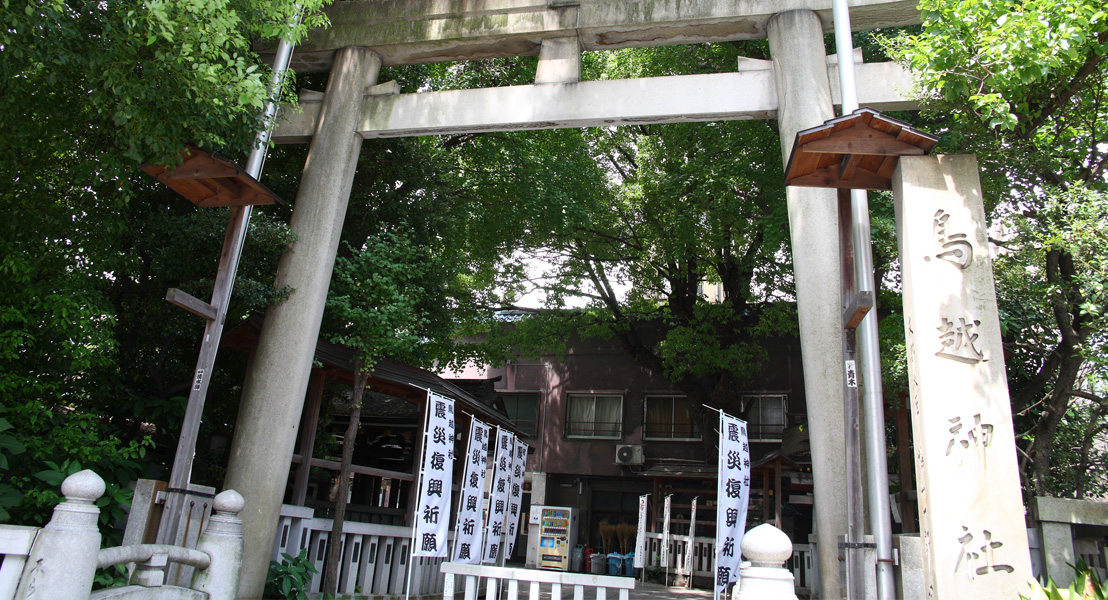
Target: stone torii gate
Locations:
point(798, 88)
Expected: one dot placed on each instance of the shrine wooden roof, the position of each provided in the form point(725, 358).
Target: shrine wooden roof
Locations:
point(773, 458)
point(208, 179)
point(388, 377)
point(855, 151)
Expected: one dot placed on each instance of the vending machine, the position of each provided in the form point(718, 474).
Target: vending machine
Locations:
point(557, 536)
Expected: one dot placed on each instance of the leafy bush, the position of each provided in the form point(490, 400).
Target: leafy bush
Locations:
point(53, 443)
point(290, 578)
point(1086, 586)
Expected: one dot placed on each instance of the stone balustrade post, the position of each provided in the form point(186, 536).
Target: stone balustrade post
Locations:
point(222, 540)
point(151, 572)
point(767, 548)
point(62, 562)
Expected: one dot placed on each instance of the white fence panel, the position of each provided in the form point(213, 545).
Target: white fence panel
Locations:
point(15, 545)
point(469, 577)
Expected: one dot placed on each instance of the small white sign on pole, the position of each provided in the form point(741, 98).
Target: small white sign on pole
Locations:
point(448, 585)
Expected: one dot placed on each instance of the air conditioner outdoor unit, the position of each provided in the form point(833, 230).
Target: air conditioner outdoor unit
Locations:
point(629, 454)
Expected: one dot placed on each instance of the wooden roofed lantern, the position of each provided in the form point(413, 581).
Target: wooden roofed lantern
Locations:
point(858, 151)
point(207, 179)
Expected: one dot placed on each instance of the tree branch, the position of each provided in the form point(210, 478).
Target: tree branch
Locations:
point(1057, 101)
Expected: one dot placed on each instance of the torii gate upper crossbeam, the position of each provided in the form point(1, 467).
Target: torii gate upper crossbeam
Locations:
point(405, 32)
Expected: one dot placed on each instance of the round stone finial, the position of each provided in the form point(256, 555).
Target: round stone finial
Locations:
point(229, 501)
point(766, 546)
point(83, 486)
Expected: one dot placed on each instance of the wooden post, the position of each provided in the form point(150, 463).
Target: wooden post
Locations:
point(904, 460)
point(309, 421)
point(765, 495)
point(777, 492)
point(181, 472)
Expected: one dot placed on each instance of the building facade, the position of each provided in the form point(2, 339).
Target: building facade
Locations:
point(604, 431)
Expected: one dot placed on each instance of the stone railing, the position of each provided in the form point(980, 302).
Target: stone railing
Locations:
point(1061, 520)
point(61, 559)
point(534, 581)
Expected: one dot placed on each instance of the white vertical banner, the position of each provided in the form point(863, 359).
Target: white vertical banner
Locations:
point(515, 497)
point(640, 534)
point(692, 534)
point(664, 557)
point(498, 496)
point(436, 475)
point(468, 529)
point(733, 499)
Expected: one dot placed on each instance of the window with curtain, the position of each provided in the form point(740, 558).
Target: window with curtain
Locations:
point(670, 418)
point(766, 418)
point(523, 410)
point(595, 416)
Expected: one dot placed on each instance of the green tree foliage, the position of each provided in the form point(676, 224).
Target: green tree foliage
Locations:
point(1053, 302)
point(93, 362)
point(1025, 86)
point(634, 220)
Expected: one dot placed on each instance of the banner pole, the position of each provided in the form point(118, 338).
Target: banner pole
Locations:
point(715, 553)
point(419, 489)
point(640, 539)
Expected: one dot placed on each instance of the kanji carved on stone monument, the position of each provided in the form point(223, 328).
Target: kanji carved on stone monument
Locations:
point(959, 340)
point(955, 248)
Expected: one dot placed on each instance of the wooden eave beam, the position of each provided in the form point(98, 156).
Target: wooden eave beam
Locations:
point(192, 169)
point(828, 177)
point(862, 140)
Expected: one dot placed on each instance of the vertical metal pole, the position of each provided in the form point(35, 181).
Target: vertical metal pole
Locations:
point(235, 237)
point(877, 476)
point(855, 574)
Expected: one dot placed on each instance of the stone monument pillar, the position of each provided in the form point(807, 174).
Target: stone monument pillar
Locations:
point(273, 395)
point(971, 510)
point(804, 100)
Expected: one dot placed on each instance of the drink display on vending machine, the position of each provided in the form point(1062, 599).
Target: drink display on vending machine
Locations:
point(557, 536)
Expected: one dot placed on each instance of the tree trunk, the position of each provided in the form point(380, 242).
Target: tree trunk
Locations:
point(1047, 428)
point(1096, 427)
point(334, 542)
point(1068, 361)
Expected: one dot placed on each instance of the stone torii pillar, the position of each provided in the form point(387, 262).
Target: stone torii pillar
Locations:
point(804, 96)
point(273, 395)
